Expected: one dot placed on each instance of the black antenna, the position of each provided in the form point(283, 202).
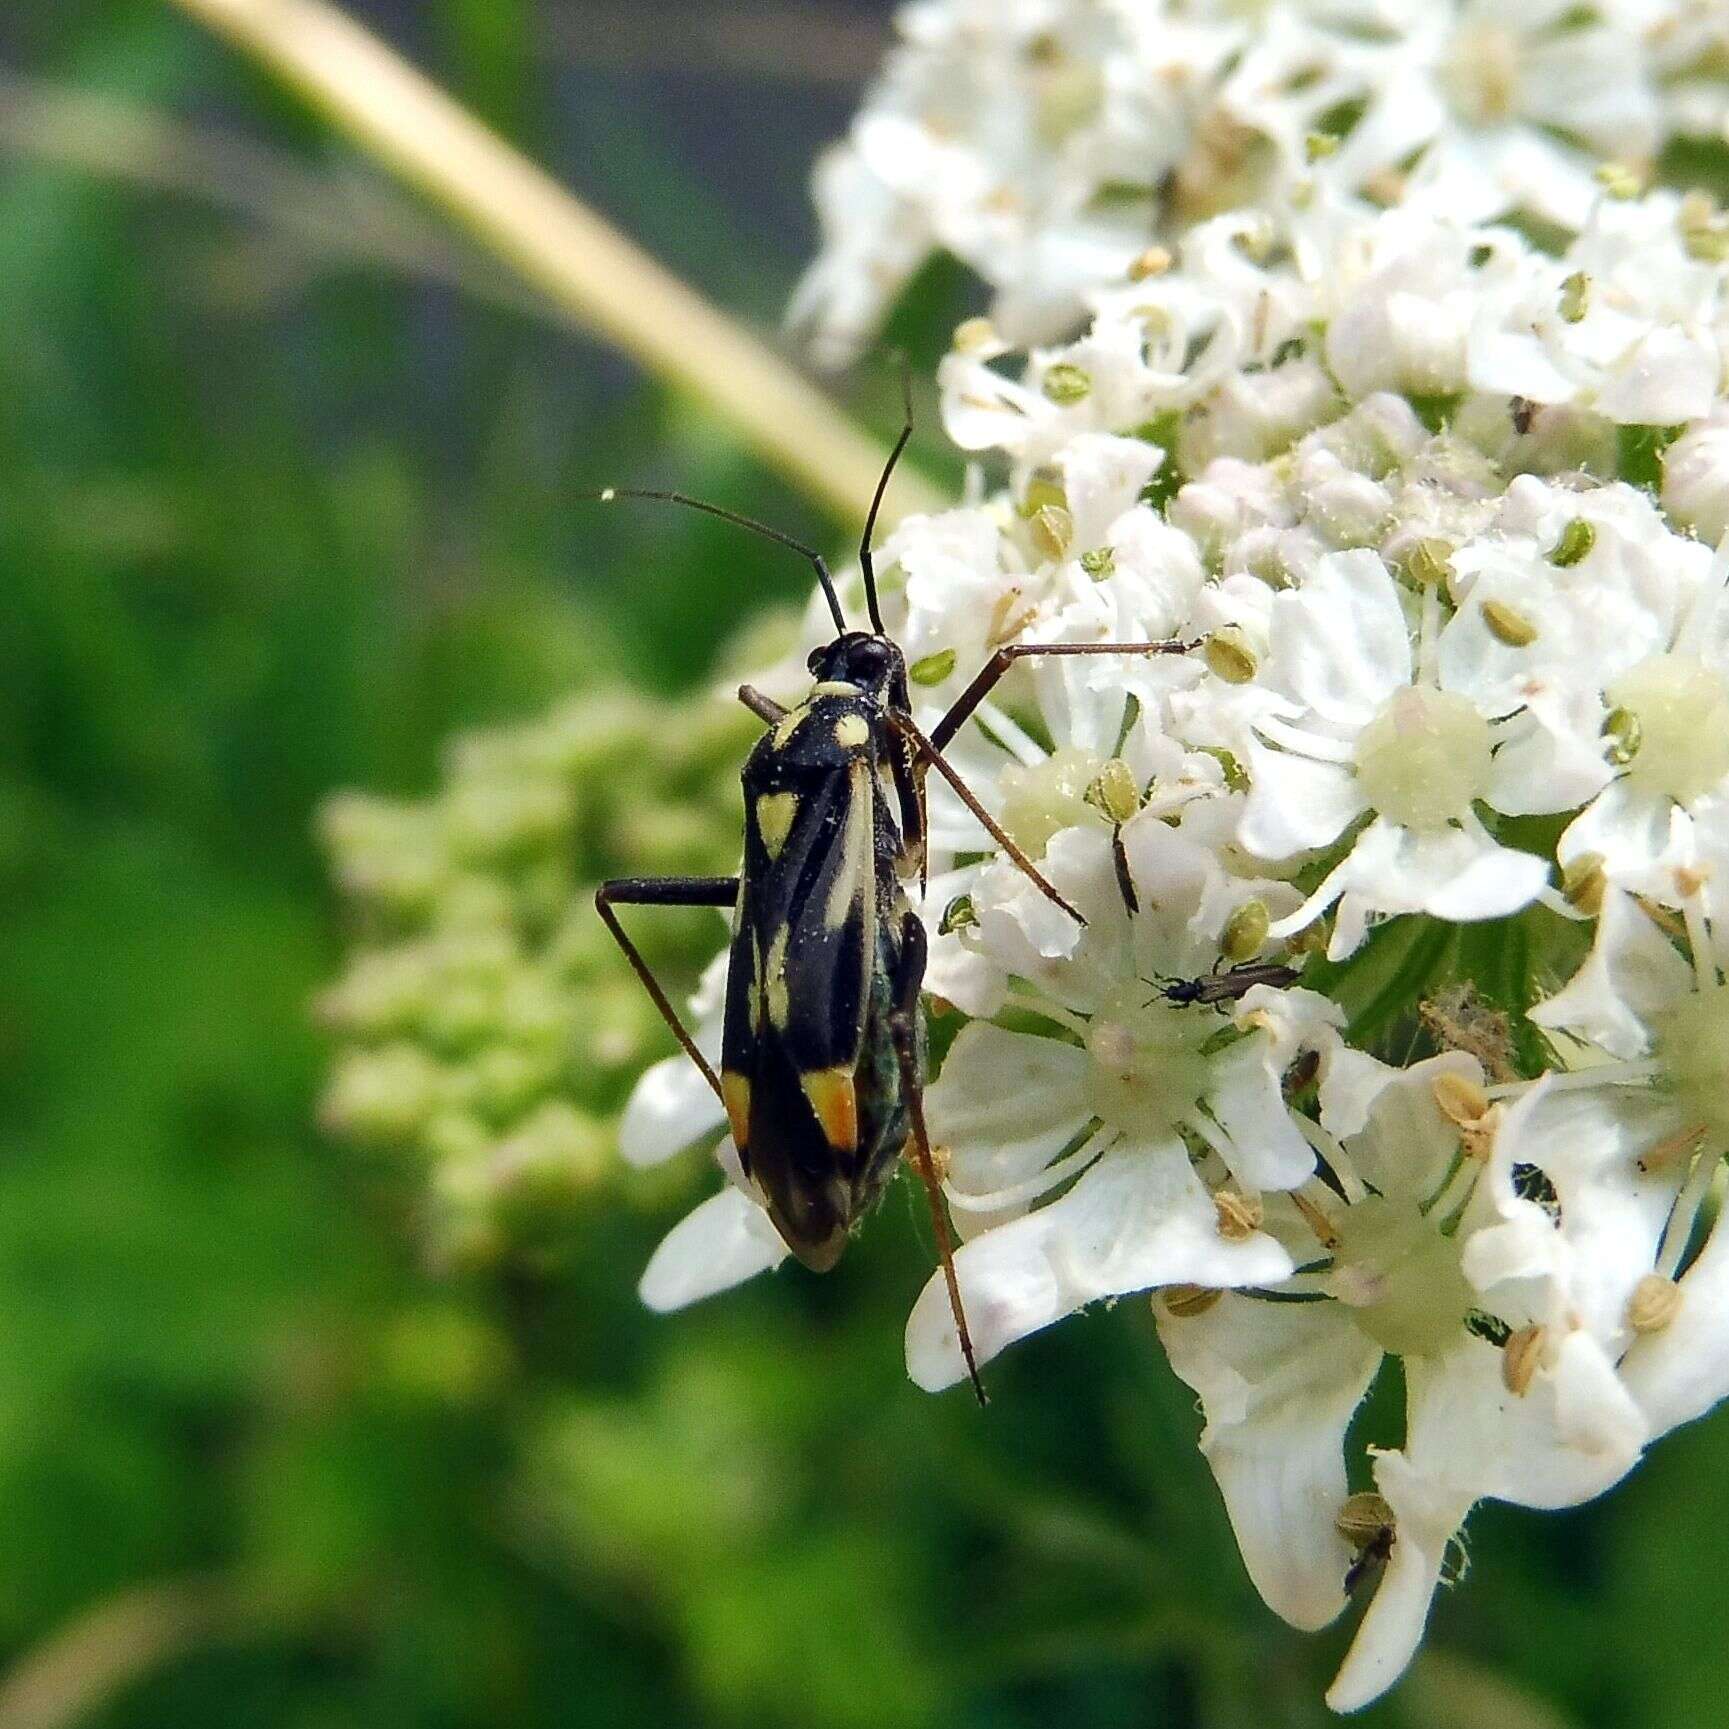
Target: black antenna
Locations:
point(608, 493)
point(866, 561)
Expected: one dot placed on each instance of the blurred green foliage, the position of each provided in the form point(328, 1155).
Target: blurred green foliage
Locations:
point(273, 525)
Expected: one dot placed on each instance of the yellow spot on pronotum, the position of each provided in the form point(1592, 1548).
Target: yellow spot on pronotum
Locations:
point(834, 1100)
point(850, 731)
point(788, 724)
point(774, 818)
point(735, 1090)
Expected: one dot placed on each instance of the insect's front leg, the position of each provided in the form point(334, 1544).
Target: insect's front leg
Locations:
point(903, 1028)
point(1004, 658)
point(664, 892)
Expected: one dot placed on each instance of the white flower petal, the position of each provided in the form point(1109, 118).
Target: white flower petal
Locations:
point(1680, 1373)
point(1341, 643)
point(1279, 1384)
point(1139, 1218)
point(719, 1244)
point(1632, 972)
point(1005, 1105)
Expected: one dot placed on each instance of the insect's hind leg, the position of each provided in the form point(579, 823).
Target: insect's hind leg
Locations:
point(1000, 662)
point(664, 892)
point(903, 1029)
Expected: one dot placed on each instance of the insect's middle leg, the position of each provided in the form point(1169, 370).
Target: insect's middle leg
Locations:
point(903, 1027)
point(664, 892)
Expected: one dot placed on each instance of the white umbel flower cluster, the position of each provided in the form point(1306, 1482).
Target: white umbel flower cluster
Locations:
point(1046, 142)
point(1438, 509)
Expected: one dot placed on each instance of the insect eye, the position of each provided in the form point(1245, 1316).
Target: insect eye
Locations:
point(814, 661)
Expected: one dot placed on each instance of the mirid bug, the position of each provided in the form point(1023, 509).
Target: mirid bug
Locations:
point(823, 1059)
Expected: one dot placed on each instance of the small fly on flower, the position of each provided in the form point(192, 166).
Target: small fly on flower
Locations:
point(823, 1053)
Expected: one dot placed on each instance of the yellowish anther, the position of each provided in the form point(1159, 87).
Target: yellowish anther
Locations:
point(934, 668)
point(1099, 562)
point(1053, 529)
point(1428, 562)
point(1311, 939)
point(1239, 1215)
point(1507, 624)
point(1245, 932)
point(974, 336)
point(1065, 384)
point(1461, 1100)
point(1655, 1302)
point(1155, 261)
point(1231, 656)
point(1326, 1232)
point(1044, 489)
point(1114, 793)
point(1623, 734)
point(1477, 1139)
point(1576, 297)
point(1320, 145)
point(1184, 1302)
point(1575, 544)
point(1521, 1357)
point(1620, 179)
point(1363, 1518)
point(1674, 1148)
point(1690, 880)
point(1583, 882)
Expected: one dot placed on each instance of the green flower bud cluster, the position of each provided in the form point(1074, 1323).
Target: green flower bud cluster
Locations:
point(485, 1028)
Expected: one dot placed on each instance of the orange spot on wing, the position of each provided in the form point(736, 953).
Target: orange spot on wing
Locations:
point(835, 1101)
point(735, 1090)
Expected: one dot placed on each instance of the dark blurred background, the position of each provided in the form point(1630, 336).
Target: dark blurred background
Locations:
point(286, 477)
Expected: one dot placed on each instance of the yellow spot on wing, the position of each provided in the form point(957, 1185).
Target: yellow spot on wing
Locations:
point(774, 983)
point(834, 1100)
point(774, 818)
point(854, 880)
point(735, 1090)
point(850, 731)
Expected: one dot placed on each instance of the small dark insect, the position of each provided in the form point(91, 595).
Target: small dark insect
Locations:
point(1373, 1553)
point(823, 1060)
point(1524, 415)
point(1228, 987)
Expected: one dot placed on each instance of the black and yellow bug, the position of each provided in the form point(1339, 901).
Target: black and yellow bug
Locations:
point(823, 1049)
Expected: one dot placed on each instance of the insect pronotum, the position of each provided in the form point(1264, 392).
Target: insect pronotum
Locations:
point(823, 1062)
